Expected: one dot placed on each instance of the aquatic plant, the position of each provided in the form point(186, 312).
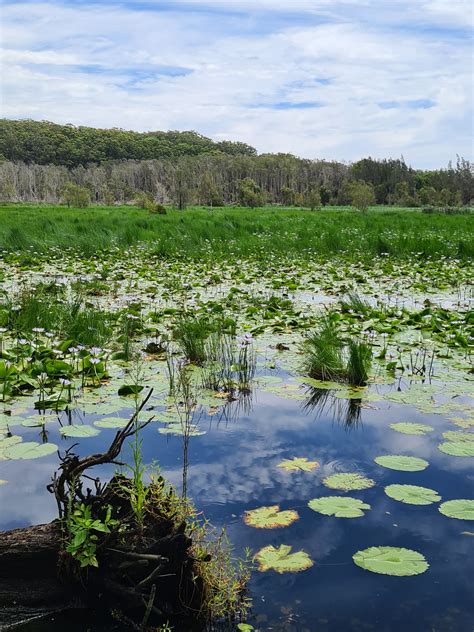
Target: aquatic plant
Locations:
point(328, 357)
point(412, 494)
point(389, 560)
point(461, 509)
point(270, 517)
point(282, 560)
point(190, 333)
point(339, 506)
point(348, 481)
point(298, 464)
point(402, 463)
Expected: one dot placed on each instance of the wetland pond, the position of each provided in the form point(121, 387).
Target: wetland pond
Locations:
point(239, 455)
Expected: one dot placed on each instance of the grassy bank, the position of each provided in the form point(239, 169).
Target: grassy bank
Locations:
point(197, 232)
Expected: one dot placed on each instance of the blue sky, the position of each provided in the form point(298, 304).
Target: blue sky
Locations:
point(334, 79)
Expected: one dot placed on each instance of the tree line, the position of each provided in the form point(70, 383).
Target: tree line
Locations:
point(47, 143)
point(197, 171)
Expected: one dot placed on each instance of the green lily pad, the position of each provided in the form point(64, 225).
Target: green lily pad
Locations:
point(411, 428)
point(321, 384)
point(282, 560)
point(111, 422)
point(402, 463)
point(339, 506)
point(9, 441)
point(245, 627)
point(389, 560)
point(37, 421)
point(270, 517)
point(457, 448)
point(30, 450)
point(348, 481)
point(269, 379)
point(458, 435)
point(178, 429)
point(462, 422)
point(298, 463)
point(79, 431)
point(461, 509)
point(412, 494)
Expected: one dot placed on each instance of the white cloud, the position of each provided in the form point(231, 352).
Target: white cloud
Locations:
point(225, 74)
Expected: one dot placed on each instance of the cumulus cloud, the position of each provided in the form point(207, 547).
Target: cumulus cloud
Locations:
point(310, 80)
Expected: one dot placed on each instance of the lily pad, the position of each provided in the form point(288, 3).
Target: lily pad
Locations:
point(79, 431)
point(111, 422)
point(178, 429)
point(270, 517)
point(389, 560)
point(282, 560)
point(412, 494)
point(411, 428)
point(457, 448)
point(298, 463)
point(339, 506)
point(348, 481)
point(30, 450)
point(461, 509)
point(458, 435)
point(402, 463)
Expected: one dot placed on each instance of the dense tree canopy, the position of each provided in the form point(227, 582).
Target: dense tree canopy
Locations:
point(47, 143)
point(40, 159)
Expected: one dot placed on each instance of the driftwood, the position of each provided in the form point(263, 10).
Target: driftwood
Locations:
point(142, 577)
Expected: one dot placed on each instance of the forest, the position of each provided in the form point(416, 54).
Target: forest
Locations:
point(40, 160)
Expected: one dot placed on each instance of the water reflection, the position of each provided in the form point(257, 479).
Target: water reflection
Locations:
point(321, 403)
point(233, 468)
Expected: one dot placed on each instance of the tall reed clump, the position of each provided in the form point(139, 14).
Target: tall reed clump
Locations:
point(191, 333)
point(230, 362)
point(327, 356)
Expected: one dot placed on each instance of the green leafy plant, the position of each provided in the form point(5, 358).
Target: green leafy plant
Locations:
point(82, 530)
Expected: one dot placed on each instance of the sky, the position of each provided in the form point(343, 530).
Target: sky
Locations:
point(326, 79)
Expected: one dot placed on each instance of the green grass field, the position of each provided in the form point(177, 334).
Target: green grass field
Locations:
point(199, 232)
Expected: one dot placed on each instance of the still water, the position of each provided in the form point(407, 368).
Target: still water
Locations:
point(233, 468)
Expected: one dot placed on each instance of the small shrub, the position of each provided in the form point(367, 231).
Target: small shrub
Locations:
point(76, 196)
point(157, 209)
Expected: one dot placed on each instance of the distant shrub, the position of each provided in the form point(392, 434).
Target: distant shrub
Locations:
point(76, 196)
point(157, 209)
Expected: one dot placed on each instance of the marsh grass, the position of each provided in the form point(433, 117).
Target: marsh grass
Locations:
point(198, 233)
point(190, 334)
point(327, 356)
point(230, 362)
point(70, 319)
